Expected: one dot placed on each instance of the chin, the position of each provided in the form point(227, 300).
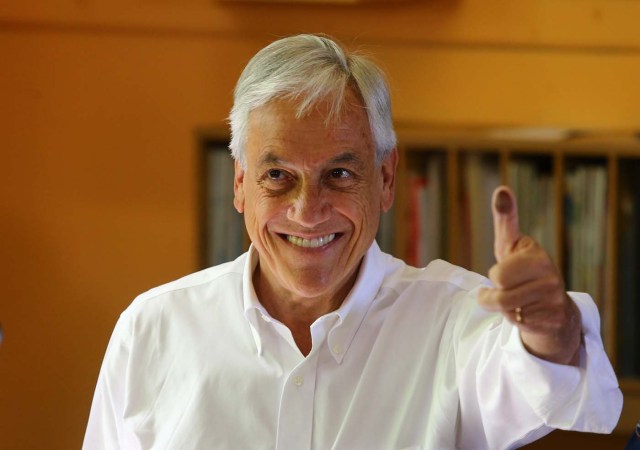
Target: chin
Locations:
point(314, 283)
point(310, 288)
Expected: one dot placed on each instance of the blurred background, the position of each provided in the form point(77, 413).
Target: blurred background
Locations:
point(104, 104)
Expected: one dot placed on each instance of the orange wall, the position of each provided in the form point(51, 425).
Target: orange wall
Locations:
point(100, 102)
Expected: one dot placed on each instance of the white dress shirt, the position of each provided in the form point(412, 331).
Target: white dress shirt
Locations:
point(408, 361)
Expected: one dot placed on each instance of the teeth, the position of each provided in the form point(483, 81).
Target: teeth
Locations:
point(311, 243)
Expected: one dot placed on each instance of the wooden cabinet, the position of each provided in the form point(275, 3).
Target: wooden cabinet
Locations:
point(578, 194)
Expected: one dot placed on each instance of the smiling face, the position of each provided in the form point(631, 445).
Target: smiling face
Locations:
point(312, 195)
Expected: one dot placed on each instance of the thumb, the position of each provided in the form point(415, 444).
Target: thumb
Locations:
point(505, 221)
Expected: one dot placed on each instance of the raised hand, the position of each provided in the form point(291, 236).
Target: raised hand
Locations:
point(529, 289)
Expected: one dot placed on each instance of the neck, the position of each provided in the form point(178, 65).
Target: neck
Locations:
point(295, 311)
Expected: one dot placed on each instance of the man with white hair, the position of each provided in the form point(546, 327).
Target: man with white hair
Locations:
point(314, 338)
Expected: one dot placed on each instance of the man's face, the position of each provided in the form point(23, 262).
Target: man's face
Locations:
point(312, 195)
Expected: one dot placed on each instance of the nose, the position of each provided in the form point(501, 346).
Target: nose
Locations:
point(309, 206)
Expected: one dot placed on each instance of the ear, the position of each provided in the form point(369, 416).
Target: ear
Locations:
point(388, 168)
point(238, 187)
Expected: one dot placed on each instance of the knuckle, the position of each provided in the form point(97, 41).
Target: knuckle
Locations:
point(496, 275)
point(553, 283)
point(503, 301)
point(528, 242)
point(486, 297)
point(504, 274)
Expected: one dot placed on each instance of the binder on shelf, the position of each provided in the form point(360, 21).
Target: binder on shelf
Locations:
point(426, 212)
point(224, 225)
point(481, 178)
point(585, 229)
point(386, 232)
point(629, 269)
point(531, 178)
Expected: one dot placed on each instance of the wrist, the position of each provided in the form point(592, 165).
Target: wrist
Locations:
point(561, 345)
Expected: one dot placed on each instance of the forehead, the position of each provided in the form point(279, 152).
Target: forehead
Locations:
point(275, 130)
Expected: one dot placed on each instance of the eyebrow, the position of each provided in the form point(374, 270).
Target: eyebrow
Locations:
point(343, 158)
point(269, 158)
point(346, 157)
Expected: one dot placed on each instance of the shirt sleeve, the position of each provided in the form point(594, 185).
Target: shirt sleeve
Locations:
point(106, 427)
point(509, 397)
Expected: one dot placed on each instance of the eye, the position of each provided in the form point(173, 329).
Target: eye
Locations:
point(276, 180)
point(275, 174)
point(339, 173)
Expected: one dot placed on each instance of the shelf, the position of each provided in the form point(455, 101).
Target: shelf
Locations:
point(579, 194)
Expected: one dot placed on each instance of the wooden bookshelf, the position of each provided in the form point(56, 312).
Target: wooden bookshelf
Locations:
point(599, 161)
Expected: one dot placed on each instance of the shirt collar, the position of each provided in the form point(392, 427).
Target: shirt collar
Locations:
point(253, 309)
point(349, 315)
point(355, 307)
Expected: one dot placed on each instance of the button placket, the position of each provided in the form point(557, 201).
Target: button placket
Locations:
point(295, 418)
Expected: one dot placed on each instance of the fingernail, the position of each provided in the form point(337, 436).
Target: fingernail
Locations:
point(504, 204)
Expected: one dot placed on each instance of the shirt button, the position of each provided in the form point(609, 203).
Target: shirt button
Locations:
point(337, 349)
point(298, 381)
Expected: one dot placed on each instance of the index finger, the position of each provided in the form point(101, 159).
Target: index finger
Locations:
point(505, 221)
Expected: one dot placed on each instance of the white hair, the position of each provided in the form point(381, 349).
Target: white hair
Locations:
point(308, 69)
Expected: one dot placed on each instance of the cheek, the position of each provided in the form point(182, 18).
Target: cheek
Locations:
point(360, 210)
point(265, 208)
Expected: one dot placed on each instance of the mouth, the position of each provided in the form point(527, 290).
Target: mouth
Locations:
point(310, 243)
